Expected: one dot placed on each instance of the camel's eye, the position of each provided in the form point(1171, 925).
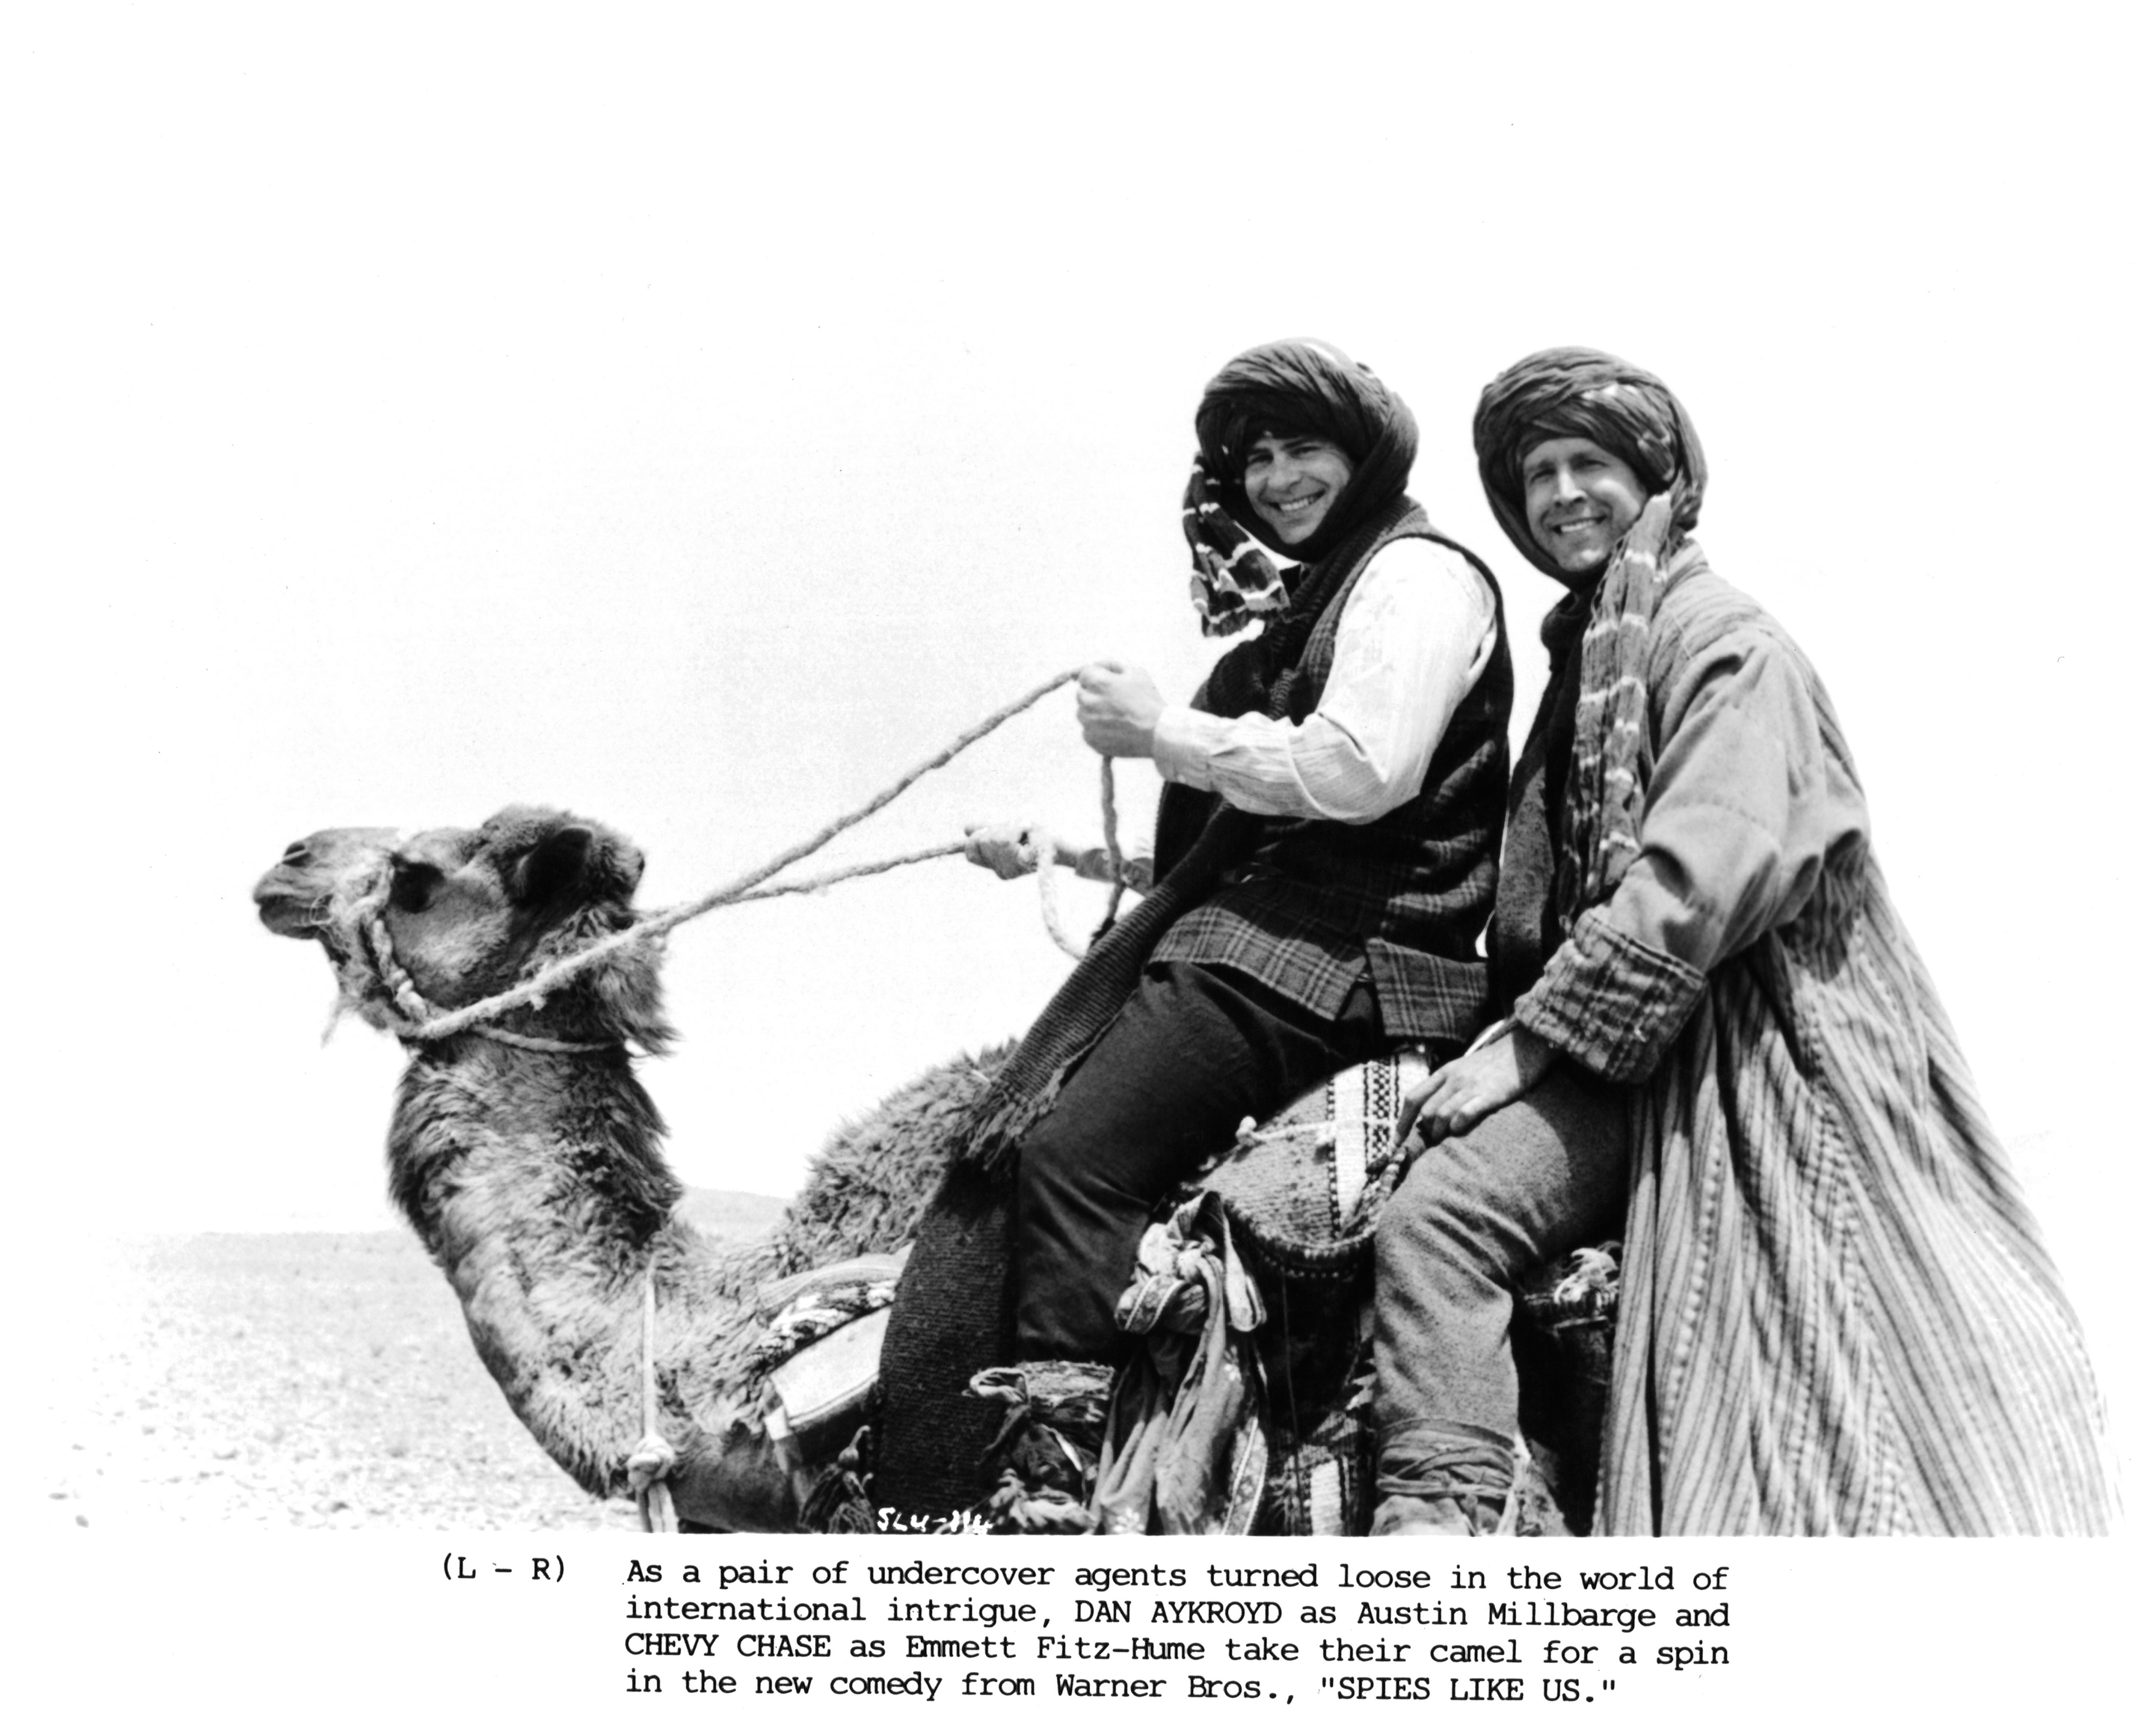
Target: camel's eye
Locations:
point(413, 887)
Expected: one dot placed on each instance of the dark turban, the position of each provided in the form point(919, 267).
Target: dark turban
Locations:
point(1562, 394)
point(1297, 386)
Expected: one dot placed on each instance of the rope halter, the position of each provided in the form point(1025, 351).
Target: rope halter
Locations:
point(372, 982)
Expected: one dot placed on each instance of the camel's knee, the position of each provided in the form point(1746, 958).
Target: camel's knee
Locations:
point(740, 1482)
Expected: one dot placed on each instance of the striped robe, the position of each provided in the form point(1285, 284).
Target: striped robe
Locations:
point(1837, 1314)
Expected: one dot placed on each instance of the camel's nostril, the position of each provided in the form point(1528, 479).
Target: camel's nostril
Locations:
point(294, 854)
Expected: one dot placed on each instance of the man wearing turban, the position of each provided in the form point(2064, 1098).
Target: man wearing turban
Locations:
point(1327, 849)
point(1836, 1312)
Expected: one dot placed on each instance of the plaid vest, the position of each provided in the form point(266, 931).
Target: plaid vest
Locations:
point(1320, 905)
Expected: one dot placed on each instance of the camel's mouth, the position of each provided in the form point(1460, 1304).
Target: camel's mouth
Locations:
point(297, 897)
point(295, 911)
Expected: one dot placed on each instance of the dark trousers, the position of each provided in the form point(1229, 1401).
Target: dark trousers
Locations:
point(1195, 1051)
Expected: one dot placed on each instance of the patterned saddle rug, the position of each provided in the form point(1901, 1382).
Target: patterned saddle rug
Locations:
point(1302, 1195)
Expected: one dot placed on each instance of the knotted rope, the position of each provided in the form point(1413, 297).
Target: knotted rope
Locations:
point(654, 927)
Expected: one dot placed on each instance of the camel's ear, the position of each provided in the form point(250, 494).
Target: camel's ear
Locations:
point(552, 870)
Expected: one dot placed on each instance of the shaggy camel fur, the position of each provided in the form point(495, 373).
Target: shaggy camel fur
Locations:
point(537, 1180)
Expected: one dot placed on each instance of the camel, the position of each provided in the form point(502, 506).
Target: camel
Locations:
point(528, 1157)
point(536, 1178)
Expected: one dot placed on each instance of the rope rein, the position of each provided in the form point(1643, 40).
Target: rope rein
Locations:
point(427, 1024)
point(1108, 802)
point(1041, 851)
point(661, 922)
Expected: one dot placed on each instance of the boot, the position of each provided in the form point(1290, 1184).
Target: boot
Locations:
point(1441, 1515)
point(1044, 1456)
point(1450, 1482)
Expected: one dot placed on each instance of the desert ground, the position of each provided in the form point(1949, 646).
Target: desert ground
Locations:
point(298, 1380)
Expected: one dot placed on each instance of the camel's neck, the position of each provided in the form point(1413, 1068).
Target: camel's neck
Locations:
point(538, 1187)
point(485, 1137)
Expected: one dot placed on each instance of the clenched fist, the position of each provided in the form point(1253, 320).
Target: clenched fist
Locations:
point(1117, 706)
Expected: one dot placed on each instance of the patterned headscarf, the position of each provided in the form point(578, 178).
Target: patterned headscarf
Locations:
point(1297, 386)
point(1566, 392)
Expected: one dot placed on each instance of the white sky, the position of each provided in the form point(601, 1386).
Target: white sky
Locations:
point(696, 425)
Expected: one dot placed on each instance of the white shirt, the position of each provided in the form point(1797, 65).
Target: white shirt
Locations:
point(1415, 637)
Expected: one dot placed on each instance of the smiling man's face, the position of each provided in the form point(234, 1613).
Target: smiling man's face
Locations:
point(1579, 501)
point(1292, 481)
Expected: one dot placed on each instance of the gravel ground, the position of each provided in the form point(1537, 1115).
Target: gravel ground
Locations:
point(320, 1381)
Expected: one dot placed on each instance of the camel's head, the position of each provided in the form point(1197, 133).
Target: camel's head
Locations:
point(466, 913)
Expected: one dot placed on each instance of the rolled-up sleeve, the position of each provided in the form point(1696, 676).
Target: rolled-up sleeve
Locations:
point(1415, 635)
point(1745, 805)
